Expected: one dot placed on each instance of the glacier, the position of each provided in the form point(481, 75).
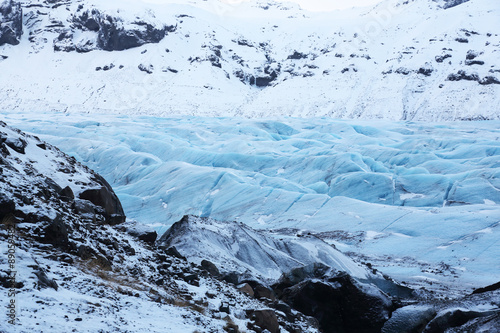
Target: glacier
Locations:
point(421, 201)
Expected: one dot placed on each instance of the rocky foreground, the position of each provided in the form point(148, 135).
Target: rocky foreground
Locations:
point(80, 266)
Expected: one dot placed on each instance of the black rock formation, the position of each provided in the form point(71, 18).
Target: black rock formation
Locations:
point(11, 22)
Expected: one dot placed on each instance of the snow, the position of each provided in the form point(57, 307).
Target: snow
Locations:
point(374, 43)
point(231, 174)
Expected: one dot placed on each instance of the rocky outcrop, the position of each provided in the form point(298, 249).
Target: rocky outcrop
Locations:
point(55, 195)
point(453, 3)
point(341, 304)
point(110, 33)
point(11, 22)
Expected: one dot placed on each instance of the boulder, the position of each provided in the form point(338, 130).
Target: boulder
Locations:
point(246, 289)
point(11, 22)
point(341, 304)
point(409, 319)
point(56, 233)
point(265, 320)
point(210, 268)
point(105, 197)
point(139, 231)
point(452, 318)
point(7, 206)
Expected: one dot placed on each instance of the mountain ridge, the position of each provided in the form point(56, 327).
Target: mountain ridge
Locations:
point(396, 61)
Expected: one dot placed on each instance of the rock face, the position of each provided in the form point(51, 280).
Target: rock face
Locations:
point(453, 3)
point(341, 304)
point(110, 33)
point(11, 22)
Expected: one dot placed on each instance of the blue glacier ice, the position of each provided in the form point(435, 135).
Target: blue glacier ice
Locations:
point(394, 189)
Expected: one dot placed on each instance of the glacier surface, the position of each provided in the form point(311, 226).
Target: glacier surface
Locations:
point(419, 200)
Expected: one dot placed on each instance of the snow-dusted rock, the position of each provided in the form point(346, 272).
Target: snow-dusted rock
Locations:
point(234, 247)
point(11, 22)
point(112, 33)
point(40, 183)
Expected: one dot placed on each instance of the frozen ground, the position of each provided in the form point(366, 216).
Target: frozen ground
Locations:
point(421, 201)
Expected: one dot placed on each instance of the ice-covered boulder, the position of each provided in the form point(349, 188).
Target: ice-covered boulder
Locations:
point(11, 22)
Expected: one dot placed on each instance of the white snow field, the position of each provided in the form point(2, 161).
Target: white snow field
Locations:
point(391, 61)
point(421, 201)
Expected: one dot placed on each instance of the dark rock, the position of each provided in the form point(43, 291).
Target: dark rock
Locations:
point(441, 58)
point(85, 252)
point(210, 268)
point(84, 207)
point(105, 197)
point(64, 42)
point(246, 289)
point(139, 231)
point(18, 145)
point(461, 40)
point(67, 194)
point(341, 304)
point(492, 287)
point(7, 281)
point(489, 80)
point(11, 22)
point(297, 55)
point(264, 292)
point(232, 277)
point(148, 69)
point(453, 3)
point(52, 185)
point(244, 42)
point(215, 61)
point(474, 62)
point(172, 251)
point(112, 36)
point(454, 318)
point(266, 320)
point(56, 233)
point(224, 307)
point(471, 55)
point(403, 71)
point(192, 279)
point(461, 75)
point(7, 206)
point(425, 71)
point(487, 324)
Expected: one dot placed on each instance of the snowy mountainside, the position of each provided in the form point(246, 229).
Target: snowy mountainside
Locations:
point(400, 60)
point(77, 270)
point(419, 201)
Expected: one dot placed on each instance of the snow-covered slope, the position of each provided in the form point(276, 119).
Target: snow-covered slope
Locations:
point(410, 60)
point(420, 201)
